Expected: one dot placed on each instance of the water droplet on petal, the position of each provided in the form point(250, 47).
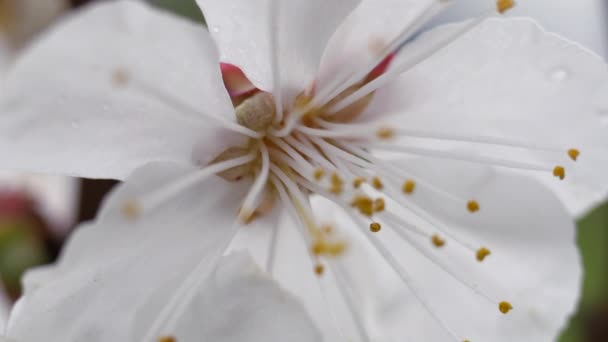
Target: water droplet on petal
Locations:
point(215, 29)
point(559, 74)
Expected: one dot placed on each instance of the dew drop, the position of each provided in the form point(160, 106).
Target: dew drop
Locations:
point(215, 29)
point(559, 74)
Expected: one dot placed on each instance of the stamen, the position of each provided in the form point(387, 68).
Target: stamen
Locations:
point(319, 173)
point(409, 186)
point(379, 205)
point(377, 183)
point(357, 182)
point(573, 153)
point(504, 5)
point(505, 307)
point(438, 241)
point(559, 172)
point(274, 59)
point(257, 189)
point(120, 77)
point(131, 210)
point(364, 204)
point(482, 253)
point(375, 227)
point(336, 184)
point(167, 339)
point(319, 269)
point(473, 206)
point(385, 133)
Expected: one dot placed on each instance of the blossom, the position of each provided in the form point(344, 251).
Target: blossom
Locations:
point(81, 298)
point(419, 152)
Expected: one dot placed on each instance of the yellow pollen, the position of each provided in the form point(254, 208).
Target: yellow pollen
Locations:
point(379, 205)
point(473, 206)
point(318, 174)
point(505, 307)
point(357, 182)
point(327, 229)
point(409, 186)
point(437, 241)
point(375, 227)
point(573, 153)
point(337, 184)
point(167, 339)
point(504, 5)
point(482, 253)
point(559, 172)
point(377, 183)
point(131, 210)
point(385, 133)
point(332, 249)
point(319, 269)
point(365, 205)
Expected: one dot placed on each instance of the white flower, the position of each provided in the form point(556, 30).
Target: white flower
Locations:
point(121, 85)
point(114, 292)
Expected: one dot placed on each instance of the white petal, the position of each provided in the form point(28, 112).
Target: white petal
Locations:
point(91, 97)
point(510, 79)
point(370, 28)
point(534, 263)
point(243, 304)
point(242, 29)
point(111, 269)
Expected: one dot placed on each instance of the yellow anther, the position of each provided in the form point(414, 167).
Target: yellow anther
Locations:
point(377, 183)
point(331, 249)
point(131, 210)
point(482, 253)
point(167, 339)
point(559, 172)
point(319, 269)
point(337, 184)
point(505, 307)
point(379, 205)
point(573, 153)
point(437, 241)
point(473, 206)
point(504, 5)
point(385, 133)
point(357, 182)
point(365, 205)
point(409, 186)
point(318, 174)
point(327, 229)
point(375, 227)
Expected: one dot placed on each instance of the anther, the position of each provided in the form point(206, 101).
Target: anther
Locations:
point(385, 133)
point(473, 206)
point(559, 172)
point(375, 227)
point(318, 174)
point(437, 241)
point(167, 339)
point(573, 153)
point(482, 253)
point(504, 5)
point(319, 269)
point(357, 182)
point(365, 205)
point(377, 183)
point(409, 186)
point(379, 205)
point(505, 307)
point(131, 210)
point(337, 184)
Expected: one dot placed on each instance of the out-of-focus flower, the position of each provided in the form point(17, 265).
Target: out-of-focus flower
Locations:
point(329, 117)
point(114, 292)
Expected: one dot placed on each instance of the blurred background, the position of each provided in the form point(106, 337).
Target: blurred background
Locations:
point(38, 211)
